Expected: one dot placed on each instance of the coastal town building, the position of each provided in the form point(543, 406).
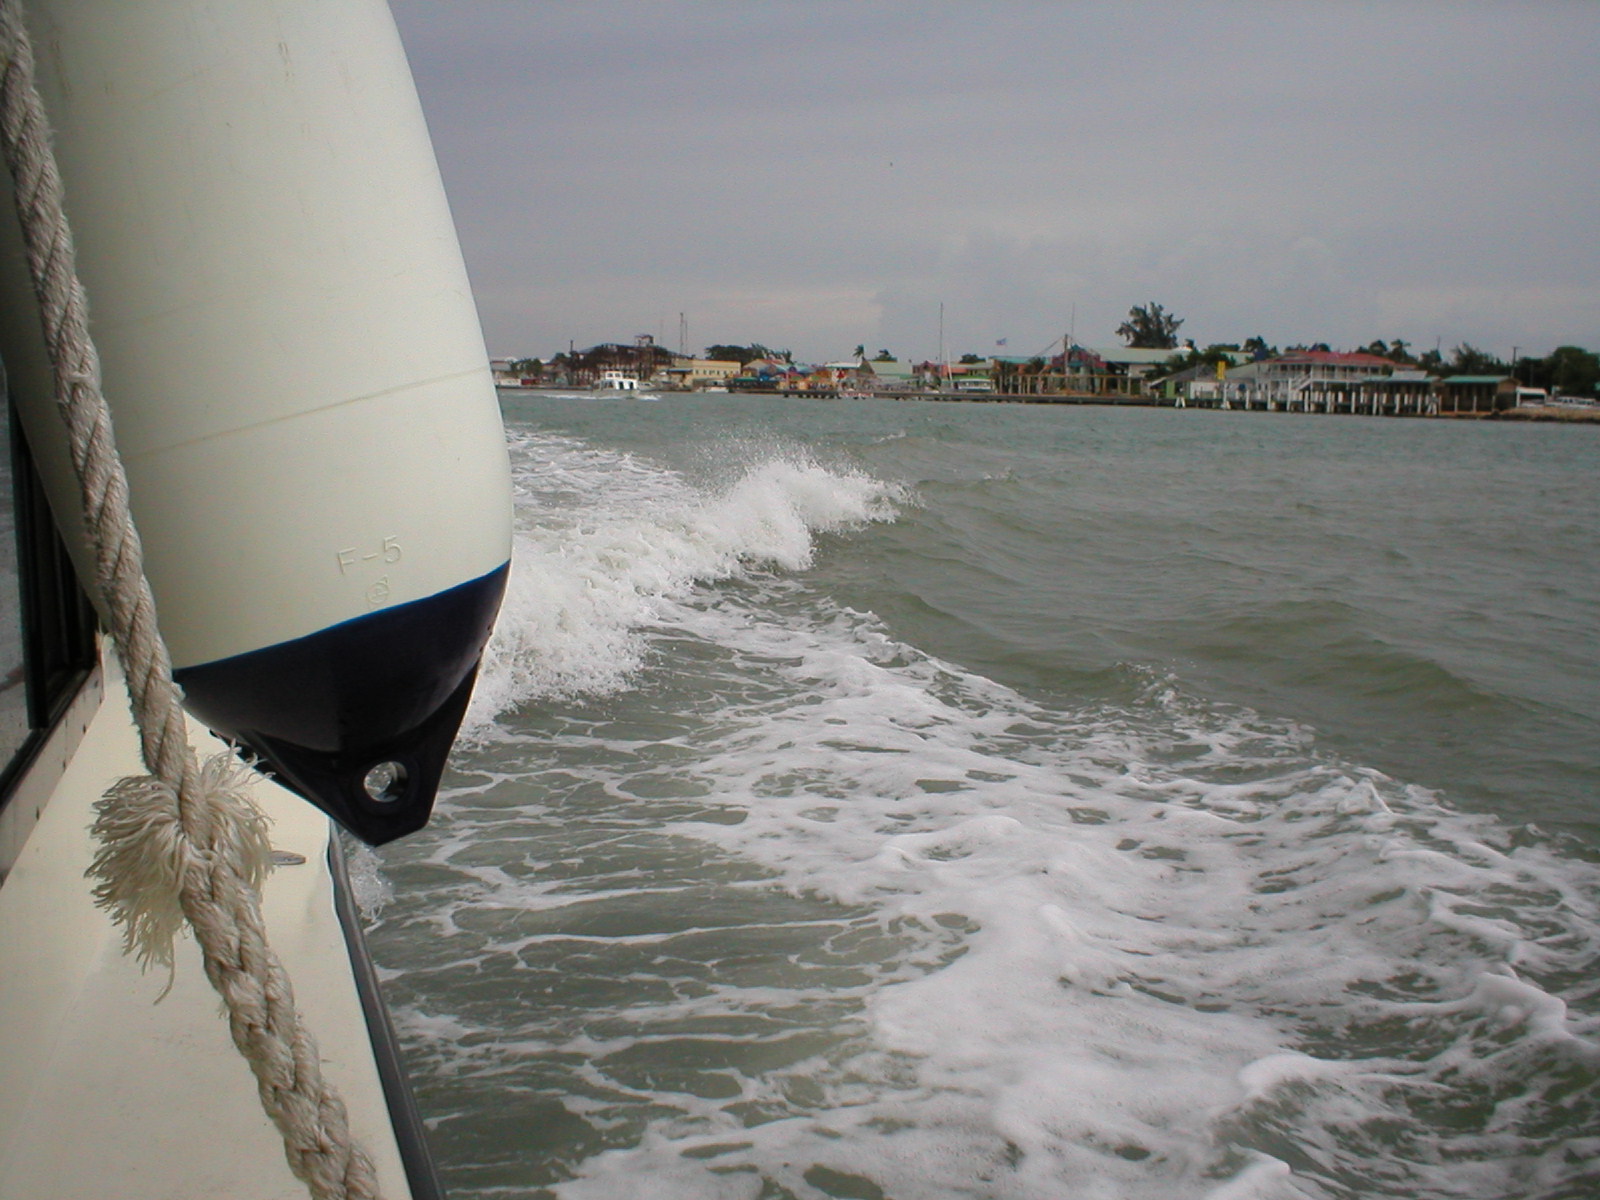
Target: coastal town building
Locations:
point(1318, 380)
point(892, 375)
point(1477, 393)
point(1122, 371)
point(976, 376)
point(690, 374)
point(1333, 382)
point(1306, 380)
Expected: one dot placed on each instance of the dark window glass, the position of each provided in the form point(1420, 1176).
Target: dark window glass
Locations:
point(14, 722)
point(47, 627)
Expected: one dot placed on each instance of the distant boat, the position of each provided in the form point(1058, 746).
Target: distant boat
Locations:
point(619, 382)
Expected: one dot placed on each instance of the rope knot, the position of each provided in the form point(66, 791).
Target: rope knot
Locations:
point(146, 852)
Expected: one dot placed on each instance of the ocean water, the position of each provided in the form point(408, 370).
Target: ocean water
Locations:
point(967, 800)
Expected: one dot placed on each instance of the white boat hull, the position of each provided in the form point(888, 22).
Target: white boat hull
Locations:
point(103, 1091)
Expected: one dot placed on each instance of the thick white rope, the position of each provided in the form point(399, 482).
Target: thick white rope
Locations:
point(183, 839)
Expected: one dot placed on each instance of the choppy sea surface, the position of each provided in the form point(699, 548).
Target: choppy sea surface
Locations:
point(937, 800)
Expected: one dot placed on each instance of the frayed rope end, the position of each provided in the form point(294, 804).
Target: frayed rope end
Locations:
point(144, 854)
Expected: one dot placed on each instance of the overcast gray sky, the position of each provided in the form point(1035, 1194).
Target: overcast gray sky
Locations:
point(816, 174)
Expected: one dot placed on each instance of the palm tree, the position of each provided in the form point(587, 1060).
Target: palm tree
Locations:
point(1150, 327)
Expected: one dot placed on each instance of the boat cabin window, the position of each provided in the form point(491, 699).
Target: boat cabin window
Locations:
point(47, 626)
point(13, 691)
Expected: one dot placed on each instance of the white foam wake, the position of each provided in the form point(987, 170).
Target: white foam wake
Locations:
point(1186, 948)
point(1146, 951)
point(606, 539)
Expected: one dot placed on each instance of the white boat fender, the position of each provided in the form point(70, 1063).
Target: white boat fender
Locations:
point(359, 718)
point(294, 366)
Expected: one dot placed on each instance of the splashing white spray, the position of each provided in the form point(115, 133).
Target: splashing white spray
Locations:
point(599, 553)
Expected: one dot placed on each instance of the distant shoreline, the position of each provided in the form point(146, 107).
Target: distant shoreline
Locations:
point(1548, 413)
point(1571, 414)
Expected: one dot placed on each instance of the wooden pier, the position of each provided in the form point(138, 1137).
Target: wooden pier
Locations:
point(1107, 400)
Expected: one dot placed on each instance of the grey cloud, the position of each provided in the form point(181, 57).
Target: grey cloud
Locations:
point(1334, 171)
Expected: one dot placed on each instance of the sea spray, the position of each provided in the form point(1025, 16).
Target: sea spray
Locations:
point(605, 542)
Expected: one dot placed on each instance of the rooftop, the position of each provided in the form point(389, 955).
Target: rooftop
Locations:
point(1356, 358)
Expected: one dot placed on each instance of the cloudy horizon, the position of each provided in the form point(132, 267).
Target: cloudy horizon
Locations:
point(820, 175)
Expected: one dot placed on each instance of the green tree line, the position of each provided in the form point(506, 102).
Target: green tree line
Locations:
point(1567, 370)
